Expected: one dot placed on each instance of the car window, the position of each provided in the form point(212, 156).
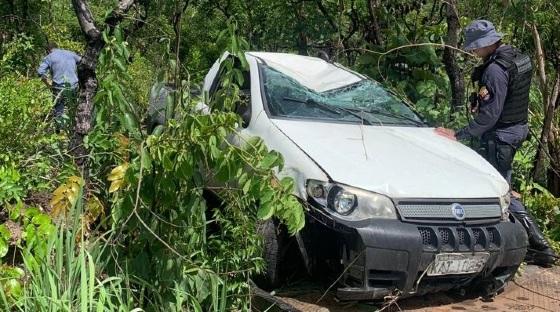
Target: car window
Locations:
point(365, 101)
point(243, 105)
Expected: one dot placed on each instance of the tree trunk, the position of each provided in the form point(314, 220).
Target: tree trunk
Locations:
point(87, 76)
point(326, 14)
point(539, 170)
point(449, 57)
point(553, 172)
point(373, 35)
point(177, 22)
point(25, 10)
point(302, 36)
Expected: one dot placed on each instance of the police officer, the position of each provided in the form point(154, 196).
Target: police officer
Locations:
point(62, 66)
point(501, 104)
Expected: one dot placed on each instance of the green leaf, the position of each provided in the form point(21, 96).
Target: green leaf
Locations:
point(223, 173)
point(167, 162)
point(41, 219)
point(158, 130)
point(31, 212)
point(267, 196)
point(119, 64)
point(246, 186)
point(3, 247)
point(13, 288)
point(4, 232)
point(270, 160)
point(146, 159)
point(287, 184)
point(265, 211)
point(131, 123)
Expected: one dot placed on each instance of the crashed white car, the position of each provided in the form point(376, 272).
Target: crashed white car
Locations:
point(392, 205)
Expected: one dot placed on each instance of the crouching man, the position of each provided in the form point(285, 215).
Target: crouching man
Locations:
point(62, 67)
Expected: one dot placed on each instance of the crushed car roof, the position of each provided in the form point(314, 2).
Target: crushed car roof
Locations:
point(313, 73)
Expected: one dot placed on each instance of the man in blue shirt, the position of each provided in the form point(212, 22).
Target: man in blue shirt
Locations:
point(502, 106)
point(62, 67)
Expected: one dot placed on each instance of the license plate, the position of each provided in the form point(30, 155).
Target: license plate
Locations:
point(457, 263)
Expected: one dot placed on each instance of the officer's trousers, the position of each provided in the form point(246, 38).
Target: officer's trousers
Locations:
point(499, 154)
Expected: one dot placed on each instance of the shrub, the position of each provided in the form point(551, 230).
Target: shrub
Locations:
point(17, 54)
point(24, 108)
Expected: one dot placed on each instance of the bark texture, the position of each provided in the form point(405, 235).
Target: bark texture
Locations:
point(539, 166)
point(373, 33)
point(549, 138)
point(449, 57)
point(86, 73)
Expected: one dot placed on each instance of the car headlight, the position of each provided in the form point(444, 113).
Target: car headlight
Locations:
point(505, 201)
point(351, 203)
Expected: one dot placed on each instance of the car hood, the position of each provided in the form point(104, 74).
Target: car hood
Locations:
point(400, 162)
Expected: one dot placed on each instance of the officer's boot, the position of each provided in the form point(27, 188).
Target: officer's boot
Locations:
point(539, 251)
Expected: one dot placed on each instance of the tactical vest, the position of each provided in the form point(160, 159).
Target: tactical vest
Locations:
point(519, 68)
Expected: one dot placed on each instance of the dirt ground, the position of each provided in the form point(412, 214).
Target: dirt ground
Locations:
point(534, 289)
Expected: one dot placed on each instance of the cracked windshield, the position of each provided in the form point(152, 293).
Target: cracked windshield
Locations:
point(365, 101)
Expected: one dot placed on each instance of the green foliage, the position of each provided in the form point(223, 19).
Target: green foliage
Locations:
point(195, 254)
point(142, 74)
point(27, 237)
point(544, 206)
point(28, 143)
point(63, 36)
point(5, 236)
point(69, 281)
point(24, 105)
point(171, 246)
point(62, 271)
point(16, 55)
point(118, 111)
point(11, 286)
point(35, 226)
point(10, 189)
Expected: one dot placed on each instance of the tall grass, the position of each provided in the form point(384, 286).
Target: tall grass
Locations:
point(69, 276)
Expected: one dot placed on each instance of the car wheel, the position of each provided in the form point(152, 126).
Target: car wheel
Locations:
point(273, 250)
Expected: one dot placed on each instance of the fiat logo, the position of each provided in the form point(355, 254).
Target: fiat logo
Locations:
point(458, 211)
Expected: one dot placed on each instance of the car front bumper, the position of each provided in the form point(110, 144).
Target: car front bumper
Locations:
point(382, 257)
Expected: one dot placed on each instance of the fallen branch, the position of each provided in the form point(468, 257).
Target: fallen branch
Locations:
point(341, 275)
point(392, 301)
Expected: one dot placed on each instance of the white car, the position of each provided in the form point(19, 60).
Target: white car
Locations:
point(392, 205)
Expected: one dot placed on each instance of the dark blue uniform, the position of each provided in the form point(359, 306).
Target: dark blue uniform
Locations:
point(492, 94)
point(504, 81)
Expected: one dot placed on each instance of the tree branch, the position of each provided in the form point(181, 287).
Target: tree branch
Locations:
point(85, 19)
point(326, 14)
point(548, 107)
point(373, 34)
point(86, 73)
point(541, 63)
point(449, 57)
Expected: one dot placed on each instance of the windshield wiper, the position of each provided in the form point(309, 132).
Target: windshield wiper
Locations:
point(332, 109)
point(389, 114)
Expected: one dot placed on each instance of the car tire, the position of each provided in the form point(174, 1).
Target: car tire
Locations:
point(273, 250)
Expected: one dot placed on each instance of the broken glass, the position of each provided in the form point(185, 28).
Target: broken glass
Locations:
point(365, 101)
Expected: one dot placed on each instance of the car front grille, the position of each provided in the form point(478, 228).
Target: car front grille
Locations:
point(459, 239)
point(419, 211)
point(446, 236)
point(464, 238)
point(428, 237)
